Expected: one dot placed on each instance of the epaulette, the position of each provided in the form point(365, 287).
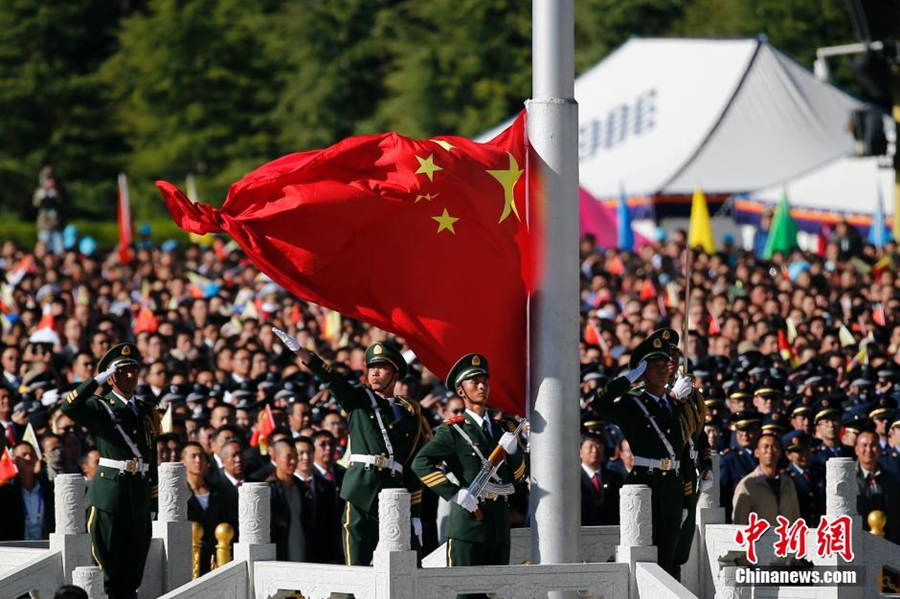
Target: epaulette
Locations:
point(726, 451)
point(636, 392)
point(454, 420)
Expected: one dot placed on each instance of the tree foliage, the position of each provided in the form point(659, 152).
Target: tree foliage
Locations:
point(214, 88)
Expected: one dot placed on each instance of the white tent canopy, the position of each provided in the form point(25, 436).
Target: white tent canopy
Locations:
point(848, 185)
point(662, 116)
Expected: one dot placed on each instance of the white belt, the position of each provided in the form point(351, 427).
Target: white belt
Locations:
point(132, 466)
point(664, 464)
point(378, 461)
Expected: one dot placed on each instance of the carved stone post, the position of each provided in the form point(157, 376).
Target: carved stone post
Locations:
point(89, 578)
point(172, 526)
point(636, 530)
point(254, 522)
point(394, 561)
point(70, 537)
point(840, 487)
point(840, 500)
point(696, 574)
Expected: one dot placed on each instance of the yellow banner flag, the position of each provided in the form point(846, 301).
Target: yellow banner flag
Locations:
point(701, 228)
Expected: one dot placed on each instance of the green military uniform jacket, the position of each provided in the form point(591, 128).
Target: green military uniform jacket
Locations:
point(110, 490)
point(463, 461)
point(616, 403)
point(361, 485)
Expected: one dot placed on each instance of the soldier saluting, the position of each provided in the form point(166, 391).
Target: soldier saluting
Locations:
point(651, 423)
point(385, 432)
point(478, 532)
point(125, 431)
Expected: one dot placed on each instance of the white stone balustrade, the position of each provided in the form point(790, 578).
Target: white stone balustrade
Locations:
point(636, 528)
point(70, 537)
point(89, 578)
point(254, 526)
point(170, 567)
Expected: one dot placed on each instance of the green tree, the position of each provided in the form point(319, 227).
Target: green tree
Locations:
point(601, 26)
point(333, 60)
point(457, 66)
point(192, 93)
point(51, 108)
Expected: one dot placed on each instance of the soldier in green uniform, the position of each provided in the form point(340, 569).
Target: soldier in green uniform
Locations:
point(385, 433)
point(652, 425)
point(125, 484)
point(463, 443)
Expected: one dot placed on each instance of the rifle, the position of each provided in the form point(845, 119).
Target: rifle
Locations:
point(481, 484)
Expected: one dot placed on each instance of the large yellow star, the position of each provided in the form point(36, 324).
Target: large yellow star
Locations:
point(444, 144)
point(427, 166)
point(508, 179)
point(426, 196)
point(445, 222)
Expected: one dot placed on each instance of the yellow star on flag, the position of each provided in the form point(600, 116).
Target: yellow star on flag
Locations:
point(445, 222)
point(444, 144)
point(427, 166)
point(426, 196)
point(508, 179)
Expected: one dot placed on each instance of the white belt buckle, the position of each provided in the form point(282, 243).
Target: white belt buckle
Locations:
point(131, 466)
point(380, 462)
point(666, 464)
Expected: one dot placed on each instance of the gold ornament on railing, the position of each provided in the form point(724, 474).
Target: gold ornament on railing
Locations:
point(224, 534)
point(196, 546)
point(877, 521)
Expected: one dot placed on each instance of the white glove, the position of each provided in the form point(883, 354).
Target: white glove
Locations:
point(289, 340)
point(417, 529)
point(684, 515)
point(509, 443)
point(706, 481)
point(104, 376)
point(466, 500)
point(635, 374)
point(682, 387)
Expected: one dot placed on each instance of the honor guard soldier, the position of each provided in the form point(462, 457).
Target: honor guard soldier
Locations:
point(385, 433)
point(696, 459)
point(478, 531)
point(125, 484)
point(652, 426)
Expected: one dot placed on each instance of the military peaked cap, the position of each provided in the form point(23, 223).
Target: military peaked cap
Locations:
point(382, 353)
point(469, 366)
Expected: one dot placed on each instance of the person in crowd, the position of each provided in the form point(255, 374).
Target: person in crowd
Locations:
point(876, 489)
point(27, 501)
point(766, 491)
point(321, 520)
point(599, 485)
point(207, 504)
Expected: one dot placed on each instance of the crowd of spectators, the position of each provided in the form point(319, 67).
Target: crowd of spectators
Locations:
point(802, 348)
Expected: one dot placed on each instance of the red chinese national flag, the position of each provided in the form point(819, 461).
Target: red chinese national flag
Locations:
point(424, 238)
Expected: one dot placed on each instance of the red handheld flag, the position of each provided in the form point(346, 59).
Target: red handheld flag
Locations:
point(8, 468)
point(423, 238)
point(126, 255)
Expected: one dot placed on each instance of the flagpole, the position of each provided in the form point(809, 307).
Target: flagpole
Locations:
point(553, 136)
